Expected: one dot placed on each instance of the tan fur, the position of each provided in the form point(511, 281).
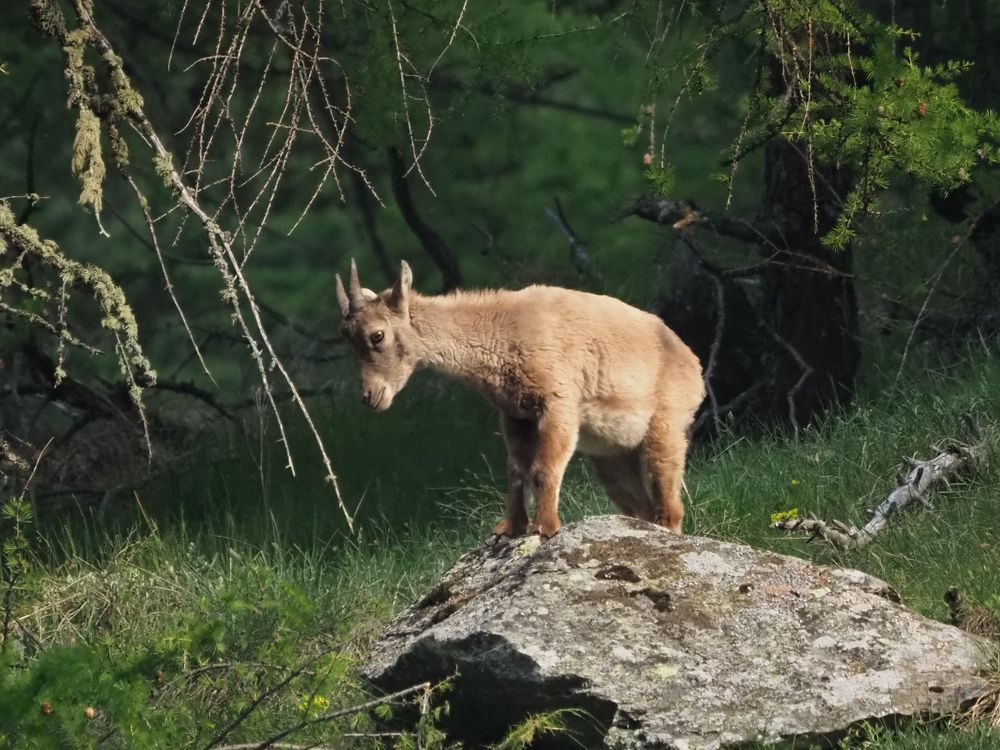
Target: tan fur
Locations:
point(568, 371)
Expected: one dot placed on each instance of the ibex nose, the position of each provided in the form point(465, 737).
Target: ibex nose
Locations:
point(366, 398)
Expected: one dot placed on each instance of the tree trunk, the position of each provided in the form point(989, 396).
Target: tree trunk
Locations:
point(809, 297)
point(785, 347)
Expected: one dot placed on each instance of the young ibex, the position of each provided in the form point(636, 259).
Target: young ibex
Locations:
point(567, 370)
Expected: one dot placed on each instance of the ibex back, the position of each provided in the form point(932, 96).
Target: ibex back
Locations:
point(568, 371)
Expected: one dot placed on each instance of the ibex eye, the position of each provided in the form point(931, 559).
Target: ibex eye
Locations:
point(377, 337)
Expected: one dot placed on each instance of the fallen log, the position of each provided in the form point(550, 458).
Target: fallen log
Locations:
point(922, 480)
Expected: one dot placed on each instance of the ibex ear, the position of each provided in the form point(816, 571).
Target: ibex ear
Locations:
point(401, 289)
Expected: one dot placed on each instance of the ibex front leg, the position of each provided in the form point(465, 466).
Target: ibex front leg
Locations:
point(521, 437)
point(557, 436)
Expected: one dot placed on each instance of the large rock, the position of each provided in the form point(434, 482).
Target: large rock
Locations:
point(672, 642)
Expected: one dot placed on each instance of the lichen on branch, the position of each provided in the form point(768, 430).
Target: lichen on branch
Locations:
point(117, 316)
point(88, 163)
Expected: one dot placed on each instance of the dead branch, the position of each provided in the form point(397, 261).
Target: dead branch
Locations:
point(369, 223)
point(155, 242)
point(261, 698)
point(281, 397)
point(723, 284)
point(407, 72)
point(685, 242)
point(682, 213)
point(805, 367)
point(190, 389)
point(577, 247)
point(713, 353)
point(431, 241)
point(923, 479)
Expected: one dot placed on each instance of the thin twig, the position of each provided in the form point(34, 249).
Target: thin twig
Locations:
point(264, 696)
point(339, 714)
point(154, 240)
point(923, 307)
point(430, 240)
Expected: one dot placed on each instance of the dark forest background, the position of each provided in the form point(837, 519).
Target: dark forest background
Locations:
point(804, 191)
point(807, 192)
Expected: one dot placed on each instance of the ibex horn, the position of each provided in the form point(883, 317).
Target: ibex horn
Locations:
point(355, 293)
point(342, 299)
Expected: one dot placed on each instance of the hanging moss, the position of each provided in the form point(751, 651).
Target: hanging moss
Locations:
point(117, 316)
point(123, 102)
point(81, 85)
point(164, 169)
point(80, 77)
point(119, 148)
point(88, 163)
point(127, 101)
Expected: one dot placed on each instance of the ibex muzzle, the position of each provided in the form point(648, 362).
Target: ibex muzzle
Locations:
point(568, 371)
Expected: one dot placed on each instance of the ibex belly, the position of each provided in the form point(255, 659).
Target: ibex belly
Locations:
point(609, 432)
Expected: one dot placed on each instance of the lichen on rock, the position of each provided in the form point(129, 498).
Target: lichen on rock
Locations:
point(672, 642)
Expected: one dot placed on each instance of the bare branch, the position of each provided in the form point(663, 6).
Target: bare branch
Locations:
point(365, 203)
point(154, 240)
point(237, 290)
point(423, 687)
point(923, 478)
point(577, 247)
point(403, 64)
point(430, 240)
point(681, 213)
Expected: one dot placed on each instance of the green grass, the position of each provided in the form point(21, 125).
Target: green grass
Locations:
point(232, 573)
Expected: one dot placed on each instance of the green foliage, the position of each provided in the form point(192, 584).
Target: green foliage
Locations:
point(660, 180)
point(785, 515)
point(166, 657)
point(843, 85)
point(15, 515)
point(907, 119)
point(45, 706)
point(536, 726)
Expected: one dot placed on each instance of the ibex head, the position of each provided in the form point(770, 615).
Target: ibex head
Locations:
point(378, 327)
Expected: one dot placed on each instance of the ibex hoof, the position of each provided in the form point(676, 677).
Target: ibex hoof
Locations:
point(544, 529)
point(674, 526)
point(509, 528)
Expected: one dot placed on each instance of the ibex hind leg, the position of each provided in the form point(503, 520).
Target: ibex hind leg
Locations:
point(663, 453)
point(521, 438)
point(620, 477)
